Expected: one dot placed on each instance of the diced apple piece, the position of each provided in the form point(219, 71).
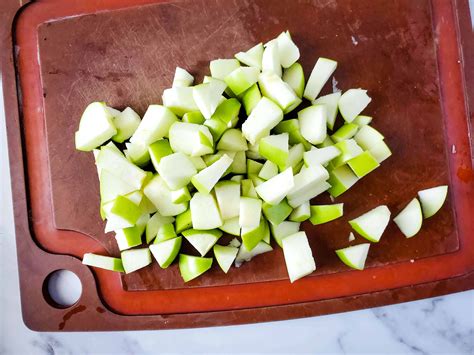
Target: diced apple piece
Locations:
point(225, 256)
point(273, 191)
point(273, 87)
point(228, 198)
point(202, 240)
point(253, 167)
point(283, 230)
point(295, 157)
point(191, 139)
point(287, 50)
point(160, 195)
point(432, 199)
point(180, 100)
point(275, 149)
point(182, 78)
point(354, 256)
point(241, 79)
point(95, 128)
point(301, 213)
point(330, 101)
point(253, 57)
point(271, 58)
point(132, 236)
point(313, 123)
point(137, 153)
point(320, 156)
point(250, 212)
point(363, 164)
point(231, 226)
point(298, 256)
point(276, 214)
point(368, 137)
point(250, 98)
point(181, 195)
point(135, 259)
point(103, 262)
point(380, 151)
point(159, 150)
point(191, 267)
point(265, 116)
point(121, 213)
point(232, 140)
point(268, 170)
point(307, 183)
point(220, 68)
point(155, 125)
point(346, 131)
point(126, 123)
point(410, 219)
point(246, 255)
point(349, 149)
point(322, 71)
point(204, 212)
point(194, 117)
point(362, 120)
point(352, 102)
point(326, 213)
point(248, 188)
point(154, 224)
point(294, 77)
point(372, 224)
point(207, 178)
point(112, 186)
point(251, 236)
point(341, 179)
point(165, 252)
point(207, 96)
point(176, 170)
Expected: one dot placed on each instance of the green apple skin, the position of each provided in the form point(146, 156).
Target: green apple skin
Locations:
point(363, 164)
point(165, 232)
point(252, 57)
point(372, 224)
point(276, 214)
point(194, 117)
point(301, 213)
point(410, 219)
point(354, 256)
point(126, 209)
point(250, 98)
point(252, 236)
point(346, 131)
point(159, 150)
point(326, 213)
point(166, 251)
point(225, 256)
point(253, 167)
point(191, 267)
point(103, 262)
point(362, 120)
point(227, 111)
point(341, 179)
point(292, 127)
point(432, 199)
point(241, 79)
point(184, 221)
point(216, 127)
point(349, 149)
point(248, 189)
point(275, 148)
point(294, 76)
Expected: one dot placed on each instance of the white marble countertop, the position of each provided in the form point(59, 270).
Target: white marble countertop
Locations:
point(442, 325)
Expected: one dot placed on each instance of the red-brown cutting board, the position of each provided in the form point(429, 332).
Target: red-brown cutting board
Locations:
point(62, 55)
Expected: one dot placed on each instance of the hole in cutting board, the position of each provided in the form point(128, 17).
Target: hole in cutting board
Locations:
point(62, 288)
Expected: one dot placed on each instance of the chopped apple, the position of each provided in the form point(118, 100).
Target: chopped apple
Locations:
point(132, 236)
point(276, 214)
point(368, 137)
point(372, 224)
point(252, 57)
point(182, 78)
point(220, 68)
point(341, 179)
point(268, 170)
point(248, 189)
point(231, 226)
point(165, 232)
point(301, 213)
point(363, 164)
point(283, 230)
point(287, 50)
point(295, 157)
point(313, 123)
point(154, 224)
point(294, 77)
point(330, 101)
point(275, 148)
point(160, 195)
point(204, 212)
point(191, 267)
point(306, 183)
point(202, 240)
point(166, 251)
point(207, 96)
point(246, 255)
point(158, 150)
point(135, 259)
point(155, 125)
point(273, 191)
point(228, 198)
point(265, 116)
point(250, 212)
point(273, 87)
point(320, 156)
point(232, 140)
point(326, 213)
point(194, 117)
point(180, 100)
point(362, 120)
point(250, 98)
point(251, 236)
point(352, 102)
point(346, 131)
point(410, 219)
point(292, 127)
point(191, 139)
point(103, 262)
point(176, 170)
point(126, 123)
point(322, 71)
point(432, 199)
point(207, 178)
point(95, 128)
point(184, 221)
point(354, 256)
point(298, 256)
point(241, 79)
point(380, 151)
point(225, 256)
point(181, 195)
point(271, 58)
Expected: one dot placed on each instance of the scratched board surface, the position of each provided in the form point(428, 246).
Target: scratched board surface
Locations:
point(127, 58)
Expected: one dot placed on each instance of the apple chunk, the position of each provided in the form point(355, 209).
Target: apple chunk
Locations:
point(326, 213)
point(95, 128)
point(225, 256)
point(372, 224)
point(165, 252)
point(298, 256)
point(191, 267)
point(103, 262)
point(135, 259)
point(410, 219)
point(204, 212)
point(354, 256)
point(432, 199)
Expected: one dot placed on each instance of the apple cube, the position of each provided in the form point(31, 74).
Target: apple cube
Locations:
point(276, 214)
point(326, 213)
point(271, 58)
point(207, 178)
point(182, 78)
point(231, 226)
point(250, 98)
point(410, 219)
point(205, 214)
point(275, 149)
point(313, 123)
point(126, 123)
point(241, 79)
point(354, 256)
point(265, 116)
point(228, 198)
point(294, 77)
point(322, 71)
point(246, 255)
point(202, 240)
point(160, 195)
point(179, 100)
point(432, 199)
point(191, 267)
point(341, 179)
point(135, 259)
point(301, 213)
point(250, 212)
point(298, 256)
point(330, 101)
point(273, 191)
point(225, 256)
point(273, 87)
point(220, 68)
point(363, 164)
point(372, 224)
point(252, 57)
point(352, 102)
point(154, 224)
point(103, 262)
point(95, 128)
point(176, 170)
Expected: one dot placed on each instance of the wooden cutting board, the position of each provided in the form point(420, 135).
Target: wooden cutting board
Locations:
point(62, 55)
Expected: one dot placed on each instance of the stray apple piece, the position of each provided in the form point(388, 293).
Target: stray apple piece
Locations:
point(191, 267)
point(135, 259)
point(95, 128)
point(410, 219)
point(298, 256)
point(326, 213)
point(372, 224)
point(276, 214)
point(103, 262)
point(432, 199)
point(354, 256)
point(166, 251)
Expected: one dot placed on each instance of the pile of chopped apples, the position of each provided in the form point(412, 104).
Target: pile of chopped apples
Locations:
point(236, 154)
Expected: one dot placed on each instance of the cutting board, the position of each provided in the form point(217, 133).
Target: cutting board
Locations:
point(60, 56)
